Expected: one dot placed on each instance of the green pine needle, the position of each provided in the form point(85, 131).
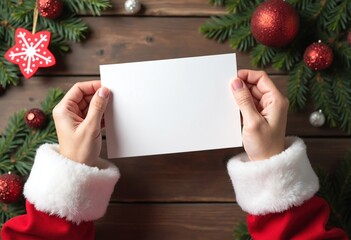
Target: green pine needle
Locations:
point(322, 94)
point(241, 232)
point(298, 86)
point(261, 55)
point(94, 7)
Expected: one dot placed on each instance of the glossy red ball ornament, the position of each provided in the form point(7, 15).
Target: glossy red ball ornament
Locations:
point(11, 188)
point(318, 56)
point(49, 8)
point(35, 118)
point(275, 23)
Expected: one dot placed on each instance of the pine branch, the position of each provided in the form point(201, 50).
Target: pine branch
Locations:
point(95, 7)
point(222, 27)
point(322, 95)
point(242, 38)
point(13, 136)
point(8, 211)
point(262, 55)
point(338, 15)
point(342, 91)
point(298, 86)
point(241, 232)
point(8, 71)
point(285, 60)
point(335, 188)
point(69, 28)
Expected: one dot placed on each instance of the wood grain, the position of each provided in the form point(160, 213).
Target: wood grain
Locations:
point(201, 176)
point(123, 39)
point(169, 221)
point(168, 8)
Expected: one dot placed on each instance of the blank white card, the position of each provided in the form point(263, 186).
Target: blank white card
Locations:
point(171, 106)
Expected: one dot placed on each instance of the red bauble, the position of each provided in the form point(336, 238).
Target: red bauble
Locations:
point(318, 56)
point(11, 188)
point(349, 38)
point(49, 8)
point(275, 23)
point(35, 118)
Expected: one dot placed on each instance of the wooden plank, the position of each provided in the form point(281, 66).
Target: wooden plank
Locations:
point(33, 91)
point(169, 8)
point(123, 39)
point(169, 221)
point(200, 176)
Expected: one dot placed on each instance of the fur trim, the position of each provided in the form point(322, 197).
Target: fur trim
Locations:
point(70, 190)
point(275, 184)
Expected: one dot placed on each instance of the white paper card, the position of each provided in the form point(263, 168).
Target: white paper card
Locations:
point(171, 106)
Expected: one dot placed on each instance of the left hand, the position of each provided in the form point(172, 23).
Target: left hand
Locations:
point(78, 122)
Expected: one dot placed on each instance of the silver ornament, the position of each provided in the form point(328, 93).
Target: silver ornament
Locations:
point(317, 118)
point(132, 6)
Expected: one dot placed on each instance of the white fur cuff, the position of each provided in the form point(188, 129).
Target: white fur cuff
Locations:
point(275, 184)
point(70, 190)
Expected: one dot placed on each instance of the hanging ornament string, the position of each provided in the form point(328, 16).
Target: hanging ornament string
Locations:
point(35, 19)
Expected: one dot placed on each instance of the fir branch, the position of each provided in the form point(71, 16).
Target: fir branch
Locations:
point(342, 91)
point(342, 53)
point(24, 155)
point(262, 55)
point(222, 27)
point(53, 98)
point(285, 60)
point(322, 95)
point(70, 28)
point(241, 232)
point(298, 86)
point(14, 134)
point(218, 2)
point(8, 211)
point(8, 71)
point(338, 15)
point(95, 7)
point(242, 39)
point(24, 11)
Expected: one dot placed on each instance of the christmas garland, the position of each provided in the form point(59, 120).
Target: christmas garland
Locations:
point(26, 131)
point(309, 39)
point(57, 18)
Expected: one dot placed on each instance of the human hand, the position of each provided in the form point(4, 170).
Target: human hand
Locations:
point(78, 118)
point(264, 110)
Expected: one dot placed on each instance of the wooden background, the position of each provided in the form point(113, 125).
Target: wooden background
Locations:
point(176, 196)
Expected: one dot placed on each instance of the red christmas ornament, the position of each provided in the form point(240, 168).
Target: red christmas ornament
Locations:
point(35, 118)
point(318, 56)
point(49, 8)
point(30, 52)
point(11, 188)
point(349, 38)
point(275, 23)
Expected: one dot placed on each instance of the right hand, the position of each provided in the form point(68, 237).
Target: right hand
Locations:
point(264, 110)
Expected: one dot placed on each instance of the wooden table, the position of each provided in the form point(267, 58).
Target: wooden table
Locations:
point(175, 196)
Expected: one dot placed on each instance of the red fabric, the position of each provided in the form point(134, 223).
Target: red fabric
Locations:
point(307, 221)
point(38, 225)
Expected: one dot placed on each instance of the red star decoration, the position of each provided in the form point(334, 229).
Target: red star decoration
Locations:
point(31, 51)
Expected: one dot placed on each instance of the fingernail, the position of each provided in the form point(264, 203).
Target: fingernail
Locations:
point(104, 92)
point(237, 84)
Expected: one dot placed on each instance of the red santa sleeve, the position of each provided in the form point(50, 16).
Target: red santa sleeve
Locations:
point(279, 196)
point(63, 197)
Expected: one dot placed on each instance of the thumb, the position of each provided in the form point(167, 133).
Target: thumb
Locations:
point(97, 107)
point(244, 99)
